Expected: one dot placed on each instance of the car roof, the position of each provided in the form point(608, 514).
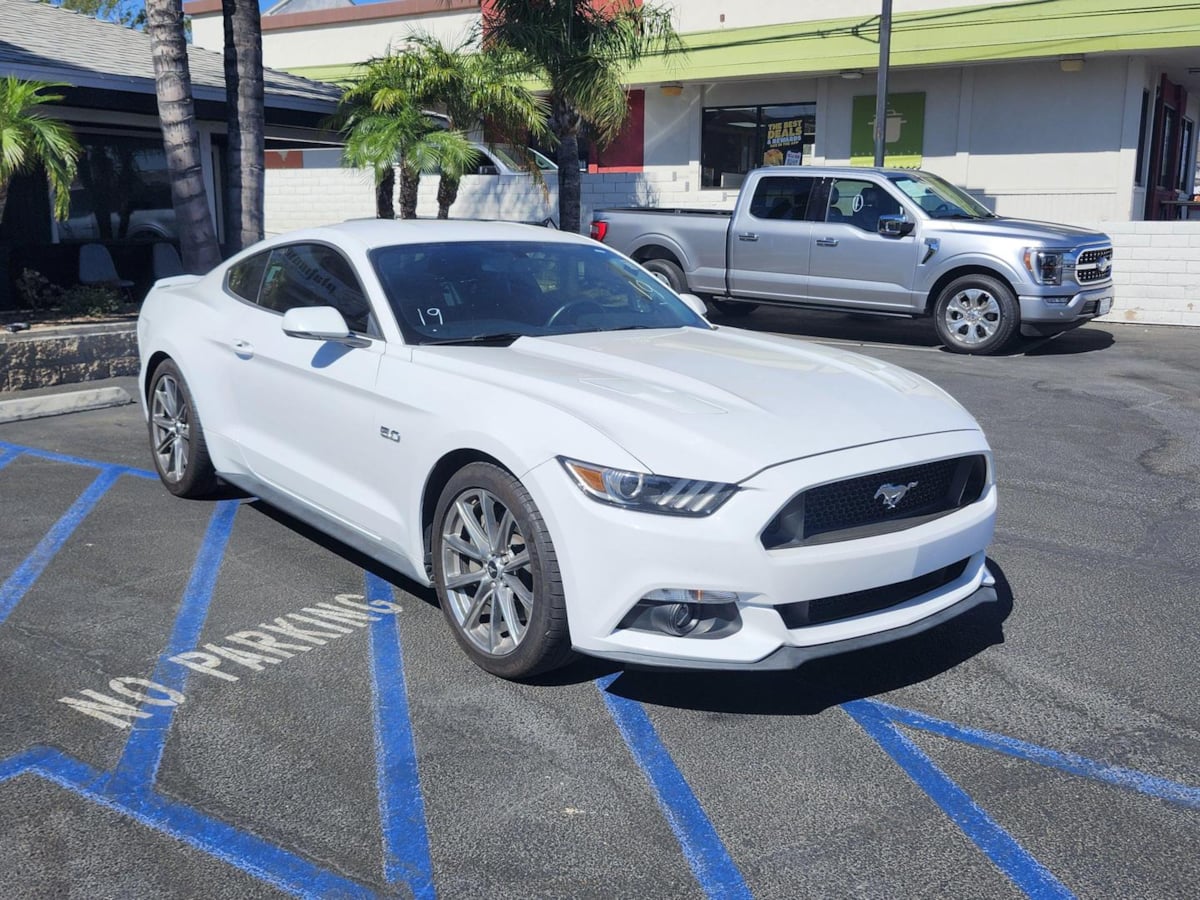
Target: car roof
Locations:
point(372, 233)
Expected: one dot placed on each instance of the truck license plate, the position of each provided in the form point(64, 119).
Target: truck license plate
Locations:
point(1104, 305)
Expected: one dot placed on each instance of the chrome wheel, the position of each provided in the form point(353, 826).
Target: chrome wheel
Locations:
point(972, 317)
point(170, 424)
point(487, 572)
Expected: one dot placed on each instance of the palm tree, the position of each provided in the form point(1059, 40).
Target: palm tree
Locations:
point(389, 132)
point(474, 88)
point(28, 138)
point(581, 49)
point(181, 141)
point(244, 163)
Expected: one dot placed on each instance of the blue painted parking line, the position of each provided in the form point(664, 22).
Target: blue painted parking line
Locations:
point(1150, 785)
point(265, 861)
point(401, 803)
point(8, 454)
point(28, 572)
point(138, 766)
point(76, 460)
point(710, 862)
point(997, 844)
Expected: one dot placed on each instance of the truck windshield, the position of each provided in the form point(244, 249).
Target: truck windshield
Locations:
point(487, 292)
point(940, 199)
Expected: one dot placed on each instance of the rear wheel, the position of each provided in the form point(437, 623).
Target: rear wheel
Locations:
point(976, 314)
point(176, 436)
point(667, 272)
point(497, 574)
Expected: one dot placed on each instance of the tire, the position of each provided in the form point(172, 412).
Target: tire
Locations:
point(976, 314)
point(668, 273)
point(177, 443)
point(732, 308)
point(508, 615)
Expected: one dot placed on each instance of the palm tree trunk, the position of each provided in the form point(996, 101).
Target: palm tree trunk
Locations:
point(409, 183)
point(564, 123)
point(385, 191)
point(447, 194)
point(3, 198)
point(181, 141)
point(244, 165)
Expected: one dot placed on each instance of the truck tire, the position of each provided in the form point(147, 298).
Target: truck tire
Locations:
point(668, 273)
point(734, 309)
point(976, 314)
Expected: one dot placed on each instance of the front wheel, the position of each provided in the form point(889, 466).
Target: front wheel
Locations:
point(497, 574)
point(976, 314)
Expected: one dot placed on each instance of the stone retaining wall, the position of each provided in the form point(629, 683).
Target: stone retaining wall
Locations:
point(67, 354)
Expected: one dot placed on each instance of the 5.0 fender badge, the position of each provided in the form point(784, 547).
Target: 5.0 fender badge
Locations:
point(893, 493)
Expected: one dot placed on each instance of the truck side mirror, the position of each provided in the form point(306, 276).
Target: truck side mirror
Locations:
point(894, 226)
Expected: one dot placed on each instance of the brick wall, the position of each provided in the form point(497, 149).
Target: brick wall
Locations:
point(1156, 272)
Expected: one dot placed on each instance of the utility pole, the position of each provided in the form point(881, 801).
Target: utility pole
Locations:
point(881, 83)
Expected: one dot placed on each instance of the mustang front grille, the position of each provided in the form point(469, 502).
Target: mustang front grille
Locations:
point(878, 503)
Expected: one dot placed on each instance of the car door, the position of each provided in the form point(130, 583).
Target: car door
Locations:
point(851, 264)
point(307, 407)
point(769, 243)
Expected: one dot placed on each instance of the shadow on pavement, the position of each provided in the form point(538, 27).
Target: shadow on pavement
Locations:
point(858, 328)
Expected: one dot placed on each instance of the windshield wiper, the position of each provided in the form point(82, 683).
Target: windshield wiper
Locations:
point(500, 338)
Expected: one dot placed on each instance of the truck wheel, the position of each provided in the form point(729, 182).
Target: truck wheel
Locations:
point(732, 308)
point(668, 273)
point(976, 314)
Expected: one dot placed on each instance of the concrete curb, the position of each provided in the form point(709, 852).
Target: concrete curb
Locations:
point(24, 408)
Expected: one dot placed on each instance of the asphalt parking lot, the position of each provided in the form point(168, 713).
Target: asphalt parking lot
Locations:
point(210, 699)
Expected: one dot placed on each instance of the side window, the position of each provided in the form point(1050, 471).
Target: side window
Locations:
point(245, 278)
point(859, 203)
point(781, 198)
point(314, 275)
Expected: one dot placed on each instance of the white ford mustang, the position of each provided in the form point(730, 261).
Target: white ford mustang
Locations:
point(567, 450)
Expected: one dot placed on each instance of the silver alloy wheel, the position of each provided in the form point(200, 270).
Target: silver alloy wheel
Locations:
point(972, 316)
point(488, 572)
point(171, 423)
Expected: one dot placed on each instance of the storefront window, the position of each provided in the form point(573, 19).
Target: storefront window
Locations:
point(736, 139)
point(122, 191)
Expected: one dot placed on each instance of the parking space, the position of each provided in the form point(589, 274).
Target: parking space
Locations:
point(211, 698)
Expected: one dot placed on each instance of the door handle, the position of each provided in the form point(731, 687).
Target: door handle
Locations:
point(827, 242)
point(244, 349)
point(748, 236)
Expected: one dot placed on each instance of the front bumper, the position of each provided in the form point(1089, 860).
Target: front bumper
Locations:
point(611, 558)
point(1049, 313)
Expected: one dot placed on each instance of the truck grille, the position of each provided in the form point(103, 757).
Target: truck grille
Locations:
point(878, 503)
point(1094, 265)
point(859, 603)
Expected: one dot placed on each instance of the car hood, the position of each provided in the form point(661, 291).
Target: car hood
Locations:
point(719, 405)
point(1046, 232)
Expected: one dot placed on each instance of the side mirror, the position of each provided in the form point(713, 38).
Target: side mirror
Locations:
point(894, 226)
point(488, 169)
point(695, 304)
point(320, 323)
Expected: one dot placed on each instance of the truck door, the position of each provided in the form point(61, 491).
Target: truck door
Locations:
point(851, 264)
point(769, 240)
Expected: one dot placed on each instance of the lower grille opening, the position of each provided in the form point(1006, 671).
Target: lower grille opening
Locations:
point(859, 603)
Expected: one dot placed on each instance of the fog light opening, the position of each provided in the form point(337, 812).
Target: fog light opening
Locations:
point(678, 619)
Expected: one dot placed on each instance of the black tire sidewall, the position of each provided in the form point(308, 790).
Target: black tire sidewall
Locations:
point(1010, 314)
point(546, 644)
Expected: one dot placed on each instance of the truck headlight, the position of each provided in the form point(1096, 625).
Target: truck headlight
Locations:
point(648, 493)
point(1044, 265)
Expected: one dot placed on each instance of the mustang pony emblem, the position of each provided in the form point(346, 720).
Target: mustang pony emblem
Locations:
point(893, 493)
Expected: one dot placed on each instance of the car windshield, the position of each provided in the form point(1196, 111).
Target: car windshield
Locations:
point(940, 199)
point(497, 291)
point(515, 158)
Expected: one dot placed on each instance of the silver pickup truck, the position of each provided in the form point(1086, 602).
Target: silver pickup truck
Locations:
point(892, 242)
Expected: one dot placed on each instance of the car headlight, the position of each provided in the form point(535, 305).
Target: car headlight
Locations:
point(1044, 265)
point(648, 493)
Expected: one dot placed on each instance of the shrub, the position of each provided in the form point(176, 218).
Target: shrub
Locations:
point(91, 300)
point(36, 292)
